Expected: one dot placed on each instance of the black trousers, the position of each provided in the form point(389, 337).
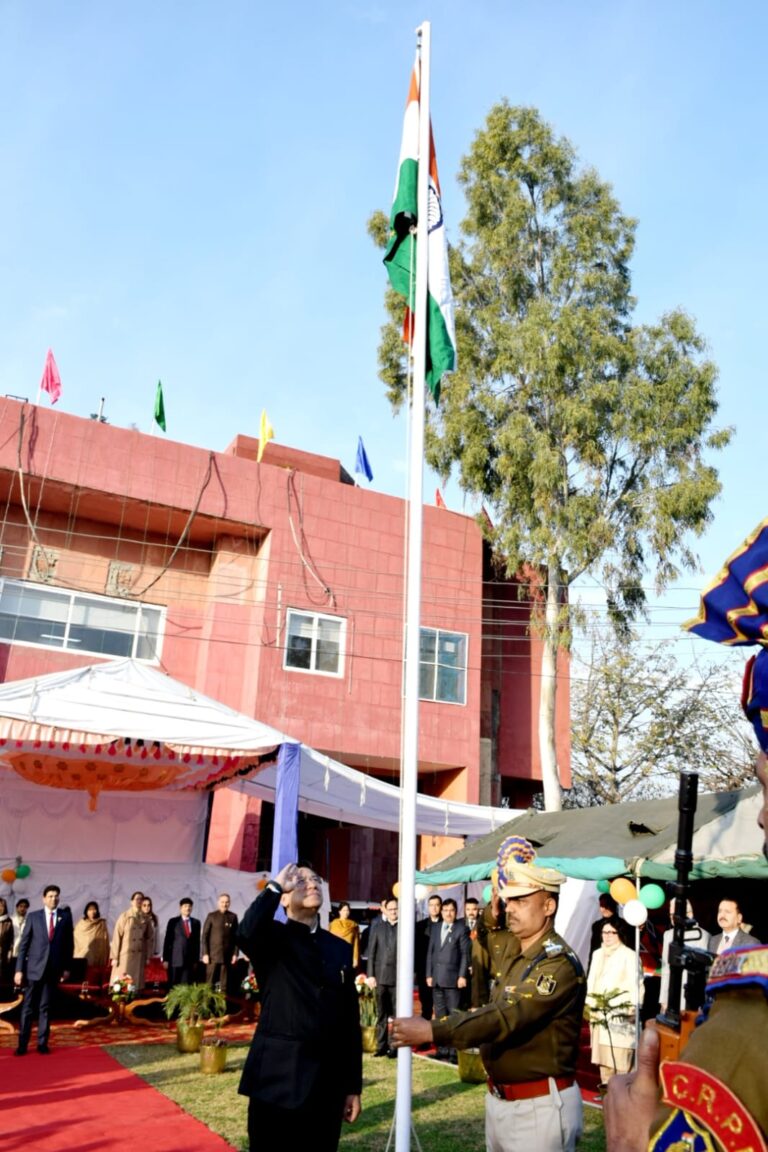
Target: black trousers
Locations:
point(37, 1001)
point(316, 1125)
point(425, 999)
point(447, 1000)
point(385, 1007)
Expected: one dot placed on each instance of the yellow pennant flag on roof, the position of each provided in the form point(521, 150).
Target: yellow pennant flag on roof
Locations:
point(266, 433)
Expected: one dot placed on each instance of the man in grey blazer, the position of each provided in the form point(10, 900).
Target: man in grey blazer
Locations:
point(731, 934)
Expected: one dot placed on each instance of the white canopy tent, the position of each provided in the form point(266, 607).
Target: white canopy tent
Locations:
point(121, 730)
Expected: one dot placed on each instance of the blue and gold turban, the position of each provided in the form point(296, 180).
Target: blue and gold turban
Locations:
point(734, 611)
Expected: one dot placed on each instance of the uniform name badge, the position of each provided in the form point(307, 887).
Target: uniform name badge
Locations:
point(706, 1116)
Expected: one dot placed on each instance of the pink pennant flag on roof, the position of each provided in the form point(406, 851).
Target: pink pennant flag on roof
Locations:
point(51, 381)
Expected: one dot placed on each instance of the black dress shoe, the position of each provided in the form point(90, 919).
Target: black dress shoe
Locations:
point(392, 1054)
point(44, 1050)
point(382, 1053)
point(20, 1052)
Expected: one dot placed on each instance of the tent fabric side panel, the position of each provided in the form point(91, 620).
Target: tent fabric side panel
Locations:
point(51, 824)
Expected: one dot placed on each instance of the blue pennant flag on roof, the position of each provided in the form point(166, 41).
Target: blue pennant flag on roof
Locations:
point(361, 461)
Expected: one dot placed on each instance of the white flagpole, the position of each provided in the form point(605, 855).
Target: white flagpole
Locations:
point(409, 771)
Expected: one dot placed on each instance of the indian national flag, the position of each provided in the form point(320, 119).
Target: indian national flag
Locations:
point(400, 257)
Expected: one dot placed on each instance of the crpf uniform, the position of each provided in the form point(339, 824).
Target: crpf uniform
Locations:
point(717, 1090)
point(528, 1037)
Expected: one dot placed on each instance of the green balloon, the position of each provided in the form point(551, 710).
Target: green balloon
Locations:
point(652, 896)
point(603, 886)
point(23, 871)
point(487, 894)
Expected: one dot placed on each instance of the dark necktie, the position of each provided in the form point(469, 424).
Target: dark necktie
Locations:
point(186, 927)
point(51, 926)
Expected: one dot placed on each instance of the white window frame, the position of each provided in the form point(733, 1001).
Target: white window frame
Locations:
point(443, 632)
point(70, 601)
point(315, 617)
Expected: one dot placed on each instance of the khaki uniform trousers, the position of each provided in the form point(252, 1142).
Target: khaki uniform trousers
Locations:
point(550, 1123)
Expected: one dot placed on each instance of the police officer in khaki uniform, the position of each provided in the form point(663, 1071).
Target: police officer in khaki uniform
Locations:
point(528, 1034)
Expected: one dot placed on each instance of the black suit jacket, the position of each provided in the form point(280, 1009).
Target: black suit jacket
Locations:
point(447, 962)
point(180, 950)
point(309, 1028)
point(220, 936)
point(382, 954)
point(39, 956)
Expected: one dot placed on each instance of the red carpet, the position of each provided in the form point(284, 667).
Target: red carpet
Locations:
point(81, 1100)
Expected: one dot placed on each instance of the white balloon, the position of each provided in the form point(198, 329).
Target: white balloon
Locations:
point(635, 913)
point(421, 891)
point(5, 889)
point(20, 887)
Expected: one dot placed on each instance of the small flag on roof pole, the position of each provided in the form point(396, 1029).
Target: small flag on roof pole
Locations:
point(51, 381)
point(439, 501)
point(160, 406)
point(266, 433)
point(400, 257)
point(362, 464)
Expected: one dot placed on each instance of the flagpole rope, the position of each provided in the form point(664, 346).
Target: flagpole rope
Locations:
point(407, 504)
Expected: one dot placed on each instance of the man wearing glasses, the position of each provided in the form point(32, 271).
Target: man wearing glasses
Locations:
point(303, 1073)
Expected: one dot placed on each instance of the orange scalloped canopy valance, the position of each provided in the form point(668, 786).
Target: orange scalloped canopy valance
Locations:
point(94, 776)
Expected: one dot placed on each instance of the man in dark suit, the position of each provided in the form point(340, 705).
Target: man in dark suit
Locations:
point(45, 954)
point(424, 929)
point(448, 963)
point(731, 934)
point(382, 974)
point(304, 1071)
point(181, 947)
point(220, 943)
point(479, 960)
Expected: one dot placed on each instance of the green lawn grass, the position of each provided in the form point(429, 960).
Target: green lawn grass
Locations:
point(447, 1114)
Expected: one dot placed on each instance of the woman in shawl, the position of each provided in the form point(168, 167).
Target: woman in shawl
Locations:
point(7, 965)
point(347, 928)
point(92, 943)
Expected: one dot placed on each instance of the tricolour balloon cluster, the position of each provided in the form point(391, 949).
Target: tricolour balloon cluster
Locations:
point(636, 903)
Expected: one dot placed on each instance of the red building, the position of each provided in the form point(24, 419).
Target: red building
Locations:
point(277, 588)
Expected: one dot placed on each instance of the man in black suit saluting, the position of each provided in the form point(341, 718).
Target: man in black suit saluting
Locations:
point(304, 1071)
point(45, 954)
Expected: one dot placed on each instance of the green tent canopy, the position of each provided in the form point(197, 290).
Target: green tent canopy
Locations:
point(627, 839)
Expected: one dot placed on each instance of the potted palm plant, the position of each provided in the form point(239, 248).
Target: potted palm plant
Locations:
point(193, 1004)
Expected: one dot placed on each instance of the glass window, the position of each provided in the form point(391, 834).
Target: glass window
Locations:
point(315, 643)
point(56, 618)
point(443, 666)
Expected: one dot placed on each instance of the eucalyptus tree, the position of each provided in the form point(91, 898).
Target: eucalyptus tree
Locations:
point(583, 432)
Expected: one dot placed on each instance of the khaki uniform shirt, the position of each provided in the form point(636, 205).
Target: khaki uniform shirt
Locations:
point(530, 1029)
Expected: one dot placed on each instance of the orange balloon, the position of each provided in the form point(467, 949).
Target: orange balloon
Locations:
point(261, 885)
point(623, 890)
point(9, 875)
point(396, 889)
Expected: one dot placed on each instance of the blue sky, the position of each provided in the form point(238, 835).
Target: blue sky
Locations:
point(185, 188)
